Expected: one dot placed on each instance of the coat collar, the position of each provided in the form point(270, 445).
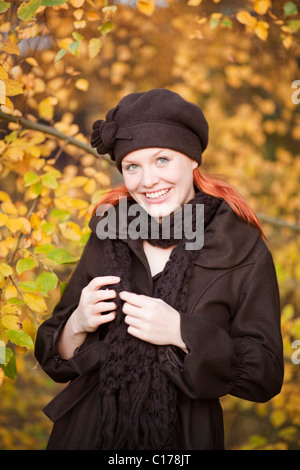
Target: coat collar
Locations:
point(227, 240)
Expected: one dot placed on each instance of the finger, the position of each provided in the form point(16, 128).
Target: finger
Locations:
point(101, 281)
point(130, 309)
point(102, 307)
point(134, 322)
point(139, 300)
point(102, 294)
point(107, 318)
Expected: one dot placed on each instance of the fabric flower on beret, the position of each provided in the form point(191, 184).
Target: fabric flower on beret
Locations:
point(105, 134)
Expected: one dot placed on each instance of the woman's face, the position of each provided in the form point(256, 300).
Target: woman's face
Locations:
point(158, 179)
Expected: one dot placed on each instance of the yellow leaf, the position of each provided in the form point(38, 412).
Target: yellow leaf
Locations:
point(94, 47)
point(2, 92)
point(35, 221)
point(13, 88)
point(4, 196)
point(82, 84)
point(35, 302)
point(10, 310)
point(1, 376)
point(78, 14)
point(9, 208)
point(146, 7)
point(90, 186)
point(77, 3)
point(262, 6)
point(80, 24)
point(245, 18)
point(6, 270)
point(287, 40)
point(70, 230)
point(14, 154)
point(93, 16)
point(32, 61)
point(11, 322)
point(3, 73)
point(26, 227)
point(10, 48)
point(194, 3)
point(46, 107)
point(14, 224)
point(78, 181)
point(3, 219)
point(10, 292)
point(262, 30)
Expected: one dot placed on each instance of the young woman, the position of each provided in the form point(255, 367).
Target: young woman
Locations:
point(152, 330)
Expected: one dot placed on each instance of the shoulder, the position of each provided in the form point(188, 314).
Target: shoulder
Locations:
point(229, 241)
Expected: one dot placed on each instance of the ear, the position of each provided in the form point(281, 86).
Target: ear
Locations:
point(195, 164)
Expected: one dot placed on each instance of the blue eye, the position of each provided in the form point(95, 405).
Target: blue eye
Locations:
point(162, 160)
point(131, 167)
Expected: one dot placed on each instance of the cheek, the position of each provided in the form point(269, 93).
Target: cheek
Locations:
point(131, 182)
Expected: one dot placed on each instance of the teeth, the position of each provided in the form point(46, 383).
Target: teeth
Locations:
point(157, 194)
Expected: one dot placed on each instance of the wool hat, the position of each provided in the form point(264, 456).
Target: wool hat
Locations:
point(156, 118)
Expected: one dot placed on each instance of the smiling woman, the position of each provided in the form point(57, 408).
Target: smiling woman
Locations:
point(152, 332)
point(160, 180)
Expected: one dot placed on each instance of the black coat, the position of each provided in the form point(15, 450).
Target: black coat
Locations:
point(231, 330)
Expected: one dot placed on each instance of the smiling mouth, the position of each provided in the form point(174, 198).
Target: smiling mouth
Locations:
point(157, 194)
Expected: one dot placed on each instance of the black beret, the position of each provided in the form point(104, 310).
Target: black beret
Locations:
point(156, 118)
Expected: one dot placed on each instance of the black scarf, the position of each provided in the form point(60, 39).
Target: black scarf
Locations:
point(137, 399)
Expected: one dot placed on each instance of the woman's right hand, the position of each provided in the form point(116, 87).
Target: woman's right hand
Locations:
point(88, 316)
point(93, 303)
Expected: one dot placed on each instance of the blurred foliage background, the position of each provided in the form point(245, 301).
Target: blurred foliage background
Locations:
point(64, 64)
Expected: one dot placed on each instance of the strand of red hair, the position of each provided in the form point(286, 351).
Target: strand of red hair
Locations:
point(209, 184)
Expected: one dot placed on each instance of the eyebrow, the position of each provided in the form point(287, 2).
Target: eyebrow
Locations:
point(129, 161)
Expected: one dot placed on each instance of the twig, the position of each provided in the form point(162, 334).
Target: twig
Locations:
point(36, 126)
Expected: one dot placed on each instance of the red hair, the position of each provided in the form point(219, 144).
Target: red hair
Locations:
point(213, 185)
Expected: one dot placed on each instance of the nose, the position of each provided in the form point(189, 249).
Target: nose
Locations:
point(149, 178)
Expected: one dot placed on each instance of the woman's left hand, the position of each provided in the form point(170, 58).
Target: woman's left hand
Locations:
point(152, 320)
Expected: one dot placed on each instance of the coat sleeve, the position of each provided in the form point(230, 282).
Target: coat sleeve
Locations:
point(46, 352)
point(245, 359)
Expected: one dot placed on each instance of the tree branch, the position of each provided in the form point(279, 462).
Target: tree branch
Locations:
point(51, 131)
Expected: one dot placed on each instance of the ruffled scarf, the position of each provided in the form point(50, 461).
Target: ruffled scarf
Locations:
point(137, 399)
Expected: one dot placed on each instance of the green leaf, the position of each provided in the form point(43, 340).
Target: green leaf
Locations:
point(4, 6)
point(60, 55)
point(44, 249)
point(52, 3)
point(20, 338)
point(10, 367)
point(74, 48)
point(48, 227)
point(50, 180)
point(60, 214)
point(27, 10)
point(31, 178)
point(227, 23)
point(25, 264)
point(106, 27)
point(290, 9)
point(77, 36)
point(62, 287)
point(15, 301)
point(47, 282)
point(28, 286)
point(294, 25)
point(61, 256)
